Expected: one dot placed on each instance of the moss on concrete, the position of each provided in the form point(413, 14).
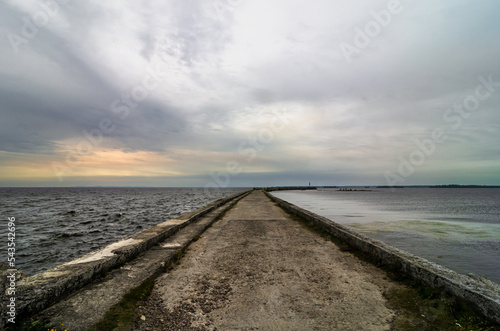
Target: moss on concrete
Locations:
point(421, 308)
point(122, 316)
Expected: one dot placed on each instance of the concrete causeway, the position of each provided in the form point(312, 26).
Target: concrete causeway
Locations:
point(257, 268)
point(247, 262)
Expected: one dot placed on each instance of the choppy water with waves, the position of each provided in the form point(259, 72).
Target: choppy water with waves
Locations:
point(456, 227)
point(57, 225)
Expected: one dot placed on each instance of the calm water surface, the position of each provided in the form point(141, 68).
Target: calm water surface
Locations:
point(57, 225)
point(458, 228)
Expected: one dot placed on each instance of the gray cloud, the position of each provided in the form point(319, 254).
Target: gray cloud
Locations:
point(222, 62)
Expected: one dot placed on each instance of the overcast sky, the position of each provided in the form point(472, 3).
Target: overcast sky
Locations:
point(249, 93)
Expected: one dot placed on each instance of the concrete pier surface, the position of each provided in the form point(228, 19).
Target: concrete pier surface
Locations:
point(244, 263)
point(258, 268)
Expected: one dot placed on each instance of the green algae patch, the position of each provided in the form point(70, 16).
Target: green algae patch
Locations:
point(439, 229)
point(122, 316)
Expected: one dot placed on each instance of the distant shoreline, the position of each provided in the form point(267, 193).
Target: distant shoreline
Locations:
point(442, 186)
point(296, 187)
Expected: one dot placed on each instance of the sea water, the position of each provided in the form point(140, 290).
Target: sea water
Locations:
point(57, 225)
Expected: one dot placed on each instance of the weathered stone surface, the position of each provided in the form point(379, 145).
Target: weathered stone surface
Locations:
point(257, 268)
point(35, 293)
point(483, 294)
